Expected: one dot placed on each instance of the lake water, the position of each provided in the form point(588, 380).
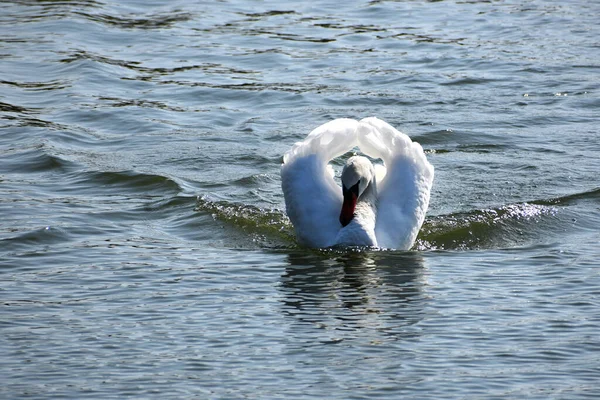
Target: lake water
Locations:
point(144, 250)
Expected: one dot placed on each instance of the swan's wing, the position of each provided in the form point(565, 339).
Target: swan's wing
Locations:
point(403, 194)
point(312, 198)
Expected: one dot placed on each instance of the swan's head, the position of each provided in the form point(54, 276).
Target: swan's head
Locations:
point(357, 175)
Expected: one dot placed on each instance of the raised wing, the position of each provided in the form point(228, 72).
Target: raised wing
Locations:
point(403, 194)
point(312, 198)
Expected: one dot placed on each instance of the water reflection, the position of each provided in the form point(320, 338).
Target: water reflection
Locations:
point(350, 291)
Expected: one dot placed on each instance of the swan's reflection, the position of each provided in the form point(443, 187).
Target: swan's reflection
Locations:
point(355, 290)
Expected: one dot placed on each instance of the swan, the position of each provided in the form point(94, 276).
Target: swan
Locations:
point(377, 205)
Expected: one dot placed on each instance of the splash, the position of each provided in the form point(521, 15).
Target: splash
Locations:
point(506, 226)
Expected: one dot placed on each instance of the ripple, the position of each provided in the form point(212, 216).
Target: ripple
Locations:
point(266, 14)
point(123, 182)
point(86, 55)
point(151, 21)
point(43, 236)
point(11, 108)
point(591, 195)
point(39, 86)
point(295, 87)
point(118, 102)
point(118, 282)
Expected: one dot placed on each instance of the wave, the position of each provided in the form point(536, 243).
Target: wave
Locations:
point(590, 195)
point(41, 236)
point(502, 227)
point(266, 227)
point(505, 226)
point(536, 221)
point(123, 185)
point(73, 177)
point(32, 160)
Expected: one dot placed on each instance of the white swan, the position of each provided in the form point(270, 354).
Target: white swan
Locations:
point(380, 206)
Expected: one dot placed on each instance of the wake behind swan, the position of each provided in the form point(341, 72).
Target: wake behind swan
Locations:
point(379, 207)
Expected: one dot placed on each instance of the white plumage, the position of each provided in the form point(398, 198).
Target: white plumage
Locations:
point(389, 203)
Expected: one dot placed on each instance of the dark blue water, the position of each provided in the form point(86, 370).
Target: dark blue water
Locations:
point(144, 250)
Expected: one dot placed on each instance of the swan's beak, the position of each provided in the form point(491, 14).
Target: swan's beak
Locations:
point(350, 198)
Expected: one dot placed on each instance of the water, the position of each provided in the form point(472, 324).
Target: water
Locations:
point(143, 248)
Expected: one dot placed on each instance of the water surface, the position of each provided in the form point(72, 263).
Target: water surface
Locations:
point(144, 247)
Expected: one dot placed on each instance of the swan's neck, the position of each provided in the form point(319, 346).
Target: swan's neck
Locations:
point(365, 213)
point(369, 197)
point(361, 230)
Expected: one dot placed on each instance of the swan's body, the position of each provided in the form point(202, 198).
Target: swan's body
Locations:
point(380, 207)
